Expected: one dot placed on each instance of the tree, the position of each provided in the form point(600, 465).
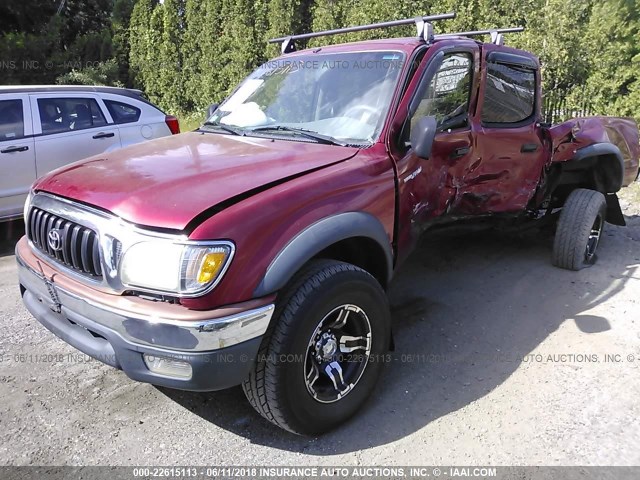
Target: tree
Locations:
point(26, 16)
point(82, 17)
point(188, 53)
point(120, 19)
point(194, 46)
point(613, 86)
point(287, 17)
point(169, 18)
point(141, 41)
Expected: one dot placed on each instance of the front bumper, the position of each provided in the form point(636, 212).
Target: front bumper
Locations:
point(220, 349)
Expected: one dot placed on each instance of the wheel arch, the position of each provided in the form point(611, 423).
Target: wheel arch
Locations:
point(603, 165)
point(354, 237)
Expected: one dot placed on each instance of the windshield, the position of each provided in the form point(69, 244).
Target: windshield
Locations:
point(340, 96)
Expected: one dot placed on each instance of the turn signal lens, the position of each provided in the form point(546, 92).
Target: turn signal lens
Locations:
point(203, 266)
point(211, 266)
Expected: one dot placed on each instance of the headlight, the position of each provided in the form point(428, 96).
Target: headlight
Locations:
point(175, 268)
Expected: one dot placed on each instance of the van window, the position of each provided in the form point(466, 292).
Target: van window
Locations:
point(11, 120)
point(509, 95)
point(122, 112)
point(69, 114)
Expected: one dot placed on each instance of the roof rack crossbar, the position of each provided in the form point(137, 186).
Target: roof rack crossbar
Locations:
point(475, 33)
point(287, 42)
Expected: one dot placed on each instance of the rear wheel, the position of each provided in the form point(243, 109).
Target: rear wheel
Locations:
point(318, 362)
point(579, 229)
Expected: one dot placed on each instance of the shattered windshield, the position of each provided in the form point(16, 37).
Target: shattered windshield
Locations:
point(340, 98)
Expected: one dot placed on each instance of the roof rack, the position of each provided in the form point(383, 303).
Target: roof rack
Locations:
point(425, 30)
point(496, 34)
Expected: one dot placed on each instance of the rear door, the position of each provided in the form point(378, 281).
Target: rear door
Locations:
point(70, 127)
point(509, 143)
point(137, 121)
point(17, 154)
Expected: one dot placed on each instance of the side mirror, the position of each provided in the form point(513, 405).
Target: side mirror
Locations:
point(212, 108)
point(422, 135)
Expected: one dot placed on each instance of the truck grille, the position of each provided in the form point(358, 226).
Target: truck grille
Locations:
point(71, 244)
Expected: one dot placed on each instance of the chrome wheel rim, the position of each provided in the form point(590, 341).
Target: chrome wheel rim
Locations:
point(337, 353)
point(594, 239)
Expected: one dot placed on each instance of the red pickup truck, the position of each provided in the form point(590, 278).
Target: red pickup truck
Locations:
point(257, 249)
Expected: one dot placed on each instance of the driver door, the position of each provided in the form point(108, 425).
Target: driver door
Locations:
point(428, 189)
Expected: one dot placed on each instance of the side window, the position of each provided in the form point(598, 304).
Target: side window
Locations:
point(122, 112)
point(11, 120)
point(69, 114)
point(509, 95)
point(446, 97)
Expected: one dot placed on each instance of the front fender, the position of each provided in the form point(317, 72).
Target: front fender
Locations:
point(317, 237)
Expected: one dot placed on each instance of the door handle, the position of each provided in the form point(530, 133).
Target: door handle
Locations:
point(104, 135)
point(22, 148)
point(460, 152)
point(529, 148)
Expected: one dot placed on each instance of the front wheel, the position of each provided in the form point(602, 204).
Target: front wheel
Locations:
point(320, 359)
point(579, 229)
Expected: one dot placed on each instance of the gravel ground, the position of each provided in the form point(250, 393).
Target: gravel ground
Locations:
point(500, 360)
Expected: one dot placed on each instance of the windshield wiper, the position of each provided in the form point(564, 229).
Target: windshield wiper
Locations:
point(320, 138)
point(226, 128)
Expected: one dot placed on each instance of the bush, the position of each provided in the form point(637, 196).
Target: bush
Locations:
point(102, 73)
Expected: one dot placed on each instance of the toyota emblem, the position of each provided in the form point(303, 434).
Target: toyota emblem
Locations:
point(54, 240)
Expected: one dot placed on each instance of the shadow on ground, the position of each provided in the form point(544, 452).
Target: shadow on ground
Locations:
point(10, 233)
point(467, 309)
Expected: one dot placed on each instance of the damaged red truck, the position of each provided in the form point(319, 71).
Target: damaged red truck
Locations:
point(257, 249)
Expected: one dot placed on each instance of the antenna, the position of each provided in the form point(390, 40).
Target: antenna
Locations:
point(423, 27)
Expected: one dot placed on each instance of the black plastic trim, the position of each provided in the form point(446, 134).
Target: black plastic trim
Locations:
point(599, 149)
point(316, 238)
point(512, 59)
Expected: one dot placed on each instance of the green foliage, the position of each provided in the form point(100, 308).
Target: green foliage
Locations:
point(191, 121)
point(120, 18)
point(84, 16)
point(169, 22)
point(48, 38)
point(614, 52)
point(31, 58)
point(142, 36)
point(102, 73)
point(187, 54)
point(26, 16)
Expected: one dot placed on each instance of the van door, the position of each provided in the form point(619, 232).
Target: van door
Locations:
point(17, 154)
point(70, 127)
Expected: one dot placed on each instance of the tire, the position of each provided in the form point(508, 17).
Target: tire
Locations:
point(289, 384)
point(579, 229)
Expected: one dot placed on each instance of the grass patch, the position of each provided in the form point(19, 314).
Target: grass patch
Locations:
point(191, 121)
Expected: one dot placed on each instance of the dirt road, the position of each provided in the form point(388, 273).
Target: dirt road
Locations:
point(500, 359)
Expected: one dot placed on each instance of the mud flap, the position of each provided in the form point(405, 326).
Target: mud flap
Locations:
point(614, 212)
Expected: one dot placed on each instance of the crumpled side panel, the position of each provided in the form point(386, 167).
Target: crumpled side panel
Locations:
point(568, 137)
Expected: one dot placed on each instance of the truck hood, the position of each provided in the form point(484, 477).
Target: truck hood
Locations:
point(167, 182)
